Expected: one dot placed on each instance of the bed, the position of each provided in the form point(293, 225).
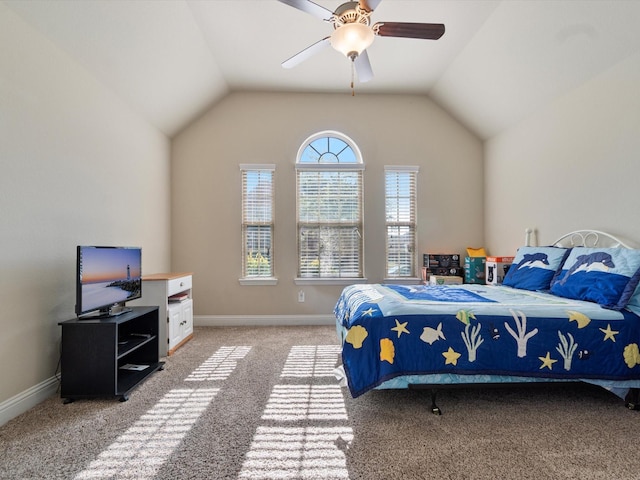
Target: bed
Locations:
point(569, 312)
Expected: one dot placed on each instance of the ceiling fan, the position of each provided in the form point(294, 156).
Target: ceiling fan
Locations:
point(353, 32)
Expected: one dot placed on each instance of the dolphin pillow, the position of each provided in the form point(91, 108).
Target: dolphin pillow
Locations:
point(634, 301)
point(607, 276)
point(533, 268)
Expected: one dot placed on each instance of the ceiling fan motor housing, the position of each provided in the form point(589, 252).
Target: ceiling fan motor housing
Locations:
point(352, 33)
point(350, 12)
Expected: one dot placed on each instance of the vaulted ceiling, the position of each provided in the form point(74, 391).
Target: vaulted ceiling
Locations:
point(497, 62)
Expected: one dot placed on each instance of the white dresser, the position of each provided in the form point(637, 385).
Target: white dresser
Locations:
point(172, 293)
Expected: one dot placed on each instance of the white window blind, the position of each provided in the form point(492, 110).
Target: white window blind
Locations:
point(257, 220)
point(330, 224)
point(400, 214)
point(329, 208)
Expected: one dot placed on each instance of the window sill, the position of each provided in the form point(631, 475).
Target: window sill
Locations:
point(258, 281)
point(329, 281)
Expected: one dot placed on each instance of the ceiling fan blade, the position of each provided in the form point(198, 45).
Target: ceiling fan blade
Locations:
point(369, 5)
point(306, 53)
point(427, 31)
point(363, 67)
point(309, 7)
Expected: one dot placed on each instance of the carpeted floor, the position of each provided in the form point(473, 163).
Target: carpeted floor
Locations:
point(260, 403)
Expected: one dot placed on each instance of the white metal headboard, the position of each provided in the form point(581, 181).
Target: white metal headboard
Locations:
point(582, 238)
point(590, 238)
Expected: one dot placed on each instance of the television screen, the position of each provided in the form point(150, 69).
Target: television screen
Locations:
point(107, 277)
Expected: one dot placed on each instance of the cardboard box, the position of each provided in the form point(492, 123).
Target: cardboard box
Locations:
point(441, 260)
point(453, 271)
point(443, 272)
point(445, 280)
point(496, 269)
point(475, 269)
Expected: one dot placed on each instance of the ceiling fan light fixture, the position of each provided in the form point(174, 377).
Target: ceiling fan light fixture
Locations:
point(352, 39)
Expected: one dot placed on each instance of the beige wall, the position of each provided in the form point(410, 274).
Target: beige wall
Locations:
point(573, 164)
point(78, 167)
point(269, 128)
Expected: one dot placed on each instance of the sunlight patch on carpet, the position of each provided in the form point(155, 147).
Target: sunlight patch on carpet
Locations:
point(311, 439)
point(142, 449)
point(300, 402)
point(311, 361)
point(220, 365)
point(297, 452)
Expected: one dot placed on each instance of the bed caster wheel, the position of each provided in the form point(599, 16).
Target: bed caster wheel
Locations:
point(632, 406)
point(436, 410)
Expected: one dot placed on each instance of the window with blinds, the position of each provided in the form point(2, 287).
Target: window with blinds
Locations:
point(257, 220)
point(329, 208)
point(400, 215)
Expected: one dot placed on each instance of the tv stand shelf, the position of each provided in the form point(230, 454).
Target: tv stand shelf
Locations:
point(129, 344)
point(109, 357)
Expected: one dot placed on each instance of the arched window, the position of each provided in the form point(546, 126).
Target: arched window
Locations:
point(329, 170)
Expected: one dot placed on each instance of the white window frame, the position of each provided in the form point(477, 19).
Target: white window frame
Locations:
point(409, 222)
point(247, 221)
point(303, 168)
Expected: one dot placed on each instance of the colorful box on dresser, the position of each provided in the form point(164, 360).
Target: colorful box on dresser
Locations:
point(496, 269)
point(441, 265)
point(474, 270)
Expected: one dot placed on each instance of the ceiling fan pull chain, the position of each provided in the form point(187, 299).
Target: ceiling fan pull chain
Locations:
point(353, 69)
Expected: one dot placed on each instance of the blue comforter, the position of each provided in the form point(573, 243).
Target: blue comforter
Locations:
point(396, 330)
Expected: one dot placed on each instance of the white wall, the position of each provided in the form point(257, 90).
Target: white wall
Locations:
point(77, 167)
point(270, 128)
point(572, 165)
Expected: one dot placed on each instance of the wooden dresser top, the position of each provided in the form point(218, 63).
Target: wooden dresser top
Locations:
point(165, 276)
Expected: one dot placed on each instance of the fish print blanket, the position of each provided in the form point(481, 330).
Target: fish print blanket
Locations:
point(394, 330)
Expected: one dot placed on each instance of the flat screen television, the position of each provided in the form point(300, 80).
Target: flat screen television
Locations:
point(107, 277)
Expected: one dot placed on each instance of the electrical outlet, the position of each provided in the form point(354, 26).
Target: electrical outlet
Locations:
point(301, 296)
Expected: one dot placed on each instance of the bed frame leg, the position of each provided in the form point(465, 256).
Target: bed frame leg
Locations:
point(632, 399)
point(434, 408)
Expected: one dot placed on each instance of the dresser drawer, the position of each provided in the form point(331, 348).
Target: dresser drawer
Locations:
point(177, 285)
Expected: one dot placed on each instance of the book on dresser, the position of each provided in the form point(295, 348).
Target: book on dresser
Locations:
point(178, 297)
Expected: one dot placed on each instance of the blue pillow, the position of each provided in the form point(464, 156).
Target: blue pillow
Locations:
point(635, 298)
point(533, 268)
point(606, 276)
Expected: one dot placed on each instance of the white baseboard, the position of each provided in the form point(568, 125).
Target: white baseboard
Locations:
point(261, 320)
point(22, 402)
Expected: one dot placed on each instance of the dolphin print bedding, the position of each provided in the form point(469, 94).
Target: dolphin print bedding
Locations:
point(418, 333)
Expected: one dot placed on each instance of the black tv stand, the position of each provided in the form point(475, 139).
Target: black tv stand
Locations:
point(109, 357)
